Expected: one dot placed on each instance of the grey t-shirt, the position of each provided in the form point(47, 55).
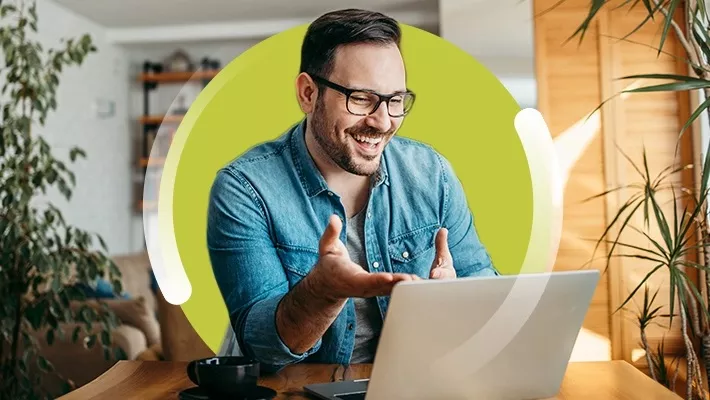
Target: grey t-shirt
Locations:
point(369, 320)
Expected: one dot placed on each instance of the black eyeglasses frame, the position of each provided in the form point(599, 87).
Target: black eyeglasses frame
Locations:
point(382, 98)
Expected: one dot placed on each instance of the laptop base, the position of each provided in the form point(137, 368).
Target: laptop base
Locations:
point(343, 390)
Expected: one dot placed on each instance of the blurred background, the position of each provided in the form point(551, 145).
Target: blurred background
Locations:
point(154, 57)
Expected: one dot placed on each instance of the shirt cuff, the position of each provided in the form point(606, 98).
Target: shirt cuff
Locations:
point(263, 340)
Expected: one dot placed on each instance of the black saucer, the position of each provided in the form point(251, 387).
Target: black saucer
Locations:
point(256, 393)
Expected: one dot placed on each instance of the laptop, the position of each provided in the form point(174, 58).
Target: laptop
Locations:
point(498, 337)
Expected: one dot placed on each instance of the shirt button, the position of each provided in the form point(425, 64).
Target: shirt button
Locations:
point(369, 214)
point(350, 327)
point(330, 193)
point(375, 264)
point(405, 254)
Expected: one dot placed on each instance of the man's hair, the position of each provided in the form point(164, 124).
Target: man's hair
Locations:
point(342, 27)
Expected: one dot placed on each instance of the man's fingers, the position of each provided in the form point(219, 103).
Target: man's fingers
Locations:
point(381, 283)
point(331, 235)
point(446, 272)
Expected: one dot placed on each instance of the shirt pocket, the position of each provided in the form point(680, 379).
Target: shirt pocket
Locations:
point(297, 262)
point(413, 252)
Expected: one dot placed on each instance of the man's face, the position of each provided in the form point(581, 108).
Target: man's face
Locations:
point(354, 142)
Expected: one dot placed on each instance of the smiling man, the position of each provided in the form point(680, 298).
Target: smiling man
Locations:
point(309, 233)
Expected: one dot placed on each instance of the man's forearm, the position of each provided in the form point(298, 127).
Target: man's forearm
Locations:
point(303, 316)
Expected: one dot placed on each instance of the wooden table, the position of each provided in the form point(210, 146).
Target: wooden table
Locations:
point(147, 380)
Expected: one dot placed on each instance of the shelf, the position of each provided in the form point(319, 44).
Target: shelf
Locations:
point(178, 76)
point(155, 161)
point(160, 119)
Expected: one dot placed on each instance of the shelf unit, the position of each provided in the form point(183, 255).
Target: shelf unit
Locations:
point(151, 125)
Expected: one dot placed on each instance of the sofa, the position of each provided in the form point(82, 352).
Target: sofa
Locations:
point(149, 328)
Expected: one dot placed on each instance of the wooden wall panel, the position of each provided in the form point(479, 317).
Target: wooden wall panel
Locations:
point(573, 79)
point(568, 88)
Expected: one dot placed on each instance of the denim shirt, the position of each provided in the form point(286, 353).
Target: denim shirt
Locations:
point(269, 207)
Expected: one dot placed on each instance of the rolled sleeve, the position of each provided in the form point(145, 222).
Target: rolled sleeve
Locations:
point(471, 258)
point(247, 270)
point(260, 330)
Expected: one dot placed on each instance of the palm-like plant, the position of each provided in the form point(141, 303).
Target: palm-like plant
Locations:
point(674, 238)
point(677, 236)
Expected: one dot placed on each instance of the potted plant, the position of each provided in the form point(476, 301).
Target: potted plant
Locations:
point(677, 235)
point(44, 259)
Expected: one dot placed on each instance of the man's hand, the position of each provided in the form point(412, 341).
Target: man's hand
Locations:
point(443, 266)
point(336, 277)
point(306, 312)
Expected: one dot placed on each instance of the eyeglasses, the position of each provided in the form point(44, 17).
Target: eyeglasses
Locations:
point(364, 102)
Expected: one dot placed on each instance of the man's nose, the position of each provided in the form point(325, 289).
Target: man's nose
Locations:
point(380, 119)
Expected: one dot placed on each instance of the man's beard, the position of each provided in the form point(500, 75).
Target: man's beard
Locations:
point(339, 151)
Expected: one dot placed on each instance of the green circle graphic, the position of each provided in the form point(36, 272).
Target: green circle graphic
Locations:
point(462, 110)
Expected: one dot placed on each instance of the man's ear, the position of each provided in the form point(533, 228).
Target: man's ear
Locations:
point(306, 92)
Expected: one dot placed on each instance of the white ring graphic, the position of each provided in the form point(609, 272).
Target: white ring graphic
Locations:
point(502, 327)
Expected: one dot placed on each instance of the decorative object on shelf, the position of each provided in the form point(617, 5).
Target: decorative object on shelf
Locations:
point(210, 64)
point(152, 68)
point(179, 61)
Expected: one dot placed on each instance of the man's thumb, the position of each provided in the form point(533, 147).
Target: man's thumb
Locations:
point(442, 244)
point(330, 235)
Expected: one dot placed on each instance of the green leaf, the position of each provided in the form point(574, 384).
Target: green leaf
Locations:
point(647, 4)
point(91, 341)
point(119, 354)
point(44, 364)
point(596, 6)
point(50, 337)
point(675, 77)
point(701, 38)
point(51, 176)
point(34, 314)
point(670, 87)
point(105, 338)
point(667, 23)
point(641, 284)
point(7, 9)
point(621, 229)
point(661, 221)
point(641, 24)
point(705, 172)
point(76, 152)
point(75, 334)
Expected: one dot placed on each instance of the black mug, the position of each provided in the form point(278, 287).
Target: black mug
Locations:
point(224, 376)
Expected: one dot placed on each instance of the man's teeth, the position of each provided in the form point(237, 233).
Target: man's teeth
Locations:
point(367, 140)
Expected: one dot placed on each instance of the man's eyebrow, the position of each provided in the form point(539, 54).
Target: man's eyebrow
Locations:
point(365, 89)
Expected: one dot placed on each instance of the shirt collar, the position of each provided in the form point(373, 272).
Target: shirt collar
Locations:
point(311, 178)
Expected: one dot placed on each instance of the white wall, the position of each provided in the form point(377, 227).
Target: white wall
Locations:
point(499, 34)
point(101, 202)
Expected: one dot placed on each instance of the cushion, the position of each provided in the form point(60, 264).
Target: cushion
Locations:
point(102, 289)
point(134, 312)
point(136, 277)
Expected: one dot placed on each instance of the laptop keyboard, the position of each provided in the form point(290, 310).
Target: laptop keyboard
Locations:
point(352, 396)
